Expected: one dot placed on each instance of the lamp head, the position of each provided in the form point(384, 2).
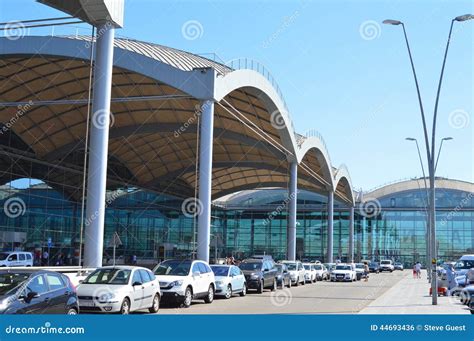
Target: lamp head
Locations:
point(410, 139)
point(464, 17)
point(391, 22)
point(447, 138)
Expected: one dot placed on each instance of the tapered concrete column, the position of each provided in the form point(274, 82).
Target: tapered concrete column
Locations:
point(205, 180)
point(330, 246)
point(350, 254)
point(98, 147)
point(292, 193)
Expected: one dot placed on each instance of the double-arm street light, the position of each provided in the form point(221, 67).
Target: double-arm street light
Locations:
point(430, 150)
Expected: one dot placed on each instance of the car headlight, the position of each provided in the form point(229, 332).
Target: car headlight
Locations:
point(254, 276)
point(106, 297)
point(176, 283)
point(4, 304)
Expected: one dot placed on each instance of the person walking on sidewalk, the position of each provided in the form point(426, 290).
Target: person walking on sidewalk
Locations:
point(366, 271)
point(418, 270)
point(414, 271)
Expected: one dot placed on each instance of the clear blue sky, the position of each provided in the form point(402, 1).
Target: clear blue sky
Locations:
point(359, 93)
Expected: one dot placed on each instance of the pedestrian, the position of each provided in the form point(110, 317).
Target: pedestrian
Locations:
point(134, 259)
point(366, 271)
point(418, 269)
point(451, 278)
point(60, 260)
point(45, 258)
point(414, 271)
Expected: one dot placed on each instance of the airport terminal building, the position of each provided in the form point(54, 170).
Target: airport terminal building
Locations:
point(391, 224)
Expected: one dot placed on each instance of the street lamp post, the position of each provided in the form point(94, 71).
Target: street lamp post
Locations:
point(430, 151)
point(439, 150)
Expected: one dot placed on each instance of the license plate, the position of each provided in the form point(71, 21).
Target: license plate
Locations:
point(87, 304)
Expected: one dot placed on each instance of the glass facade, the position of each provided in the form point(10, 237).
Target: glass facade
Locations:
point(153, 226)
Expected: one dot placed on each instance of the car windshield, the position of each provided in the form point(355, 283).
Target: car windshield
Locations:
point(10, 282)
point(343, 267)
point(3, 255)
point(385, 262)
point(359, 266)
point(291, 266)
point(279, 267)
point(251, 266)
point(318, 267)
point(108, 276)
point(220, 270)
point(373, 264)
point(173, 268)
point(464, 265)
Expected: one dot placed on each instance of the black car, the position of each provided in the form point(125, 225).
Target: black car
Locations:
point(283, 276)
point(36, 292)
point(259, 274)
point(374, 267)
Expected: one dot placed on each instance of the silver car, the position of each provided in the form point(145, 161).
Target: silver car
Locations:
point(229, 280)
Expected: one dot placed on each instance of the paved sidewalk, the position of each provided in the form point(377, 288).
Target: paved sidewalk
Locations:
point(411, 296)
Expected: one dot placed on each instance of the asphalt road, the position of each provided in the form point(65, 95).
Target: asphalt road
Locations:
point(317, 298)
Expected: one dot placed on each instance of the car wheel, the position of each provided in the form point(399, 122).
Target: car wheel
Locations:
point(260, 287)
point(210, 294)
point(244, 291)
point(125, 307)
point(297, 282)
point(228, 293)
point(188, 297)
point(72, 311)
point(304, 281)
point(155, 306)
point(274, 286)
point(289, 282)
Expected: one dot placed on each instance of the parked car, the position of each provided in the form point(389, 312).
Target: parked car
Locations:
point(309, 273)
point(259, 274)
point(344, 272)
point(182, 281)
point(283, 276)
point(464, 264)
point(386, 265)
point(119, 289)
point(330, 267)
point(296, 270)
point(466, 295)
point(36, 292)
point(360, 271)
point(229, 280)
point(398, 266)
point(374, 267)
point(322, 273)
point(16, 258)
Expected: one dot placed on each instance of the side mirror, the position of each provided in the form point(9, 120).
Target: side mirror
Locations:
point(81, 281)
point(29, 296)
point(196, 273)
point(136, 283)
point(265, 270)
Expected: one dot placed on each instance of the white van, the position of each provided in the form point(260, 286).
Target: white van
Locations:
point(16, 258)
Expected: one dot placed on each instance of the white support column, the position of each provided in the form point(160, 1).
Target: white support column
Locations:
point(350, 255)
point(98, 147)
point(292, 196)
point(205, 180)
point(330, 246)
